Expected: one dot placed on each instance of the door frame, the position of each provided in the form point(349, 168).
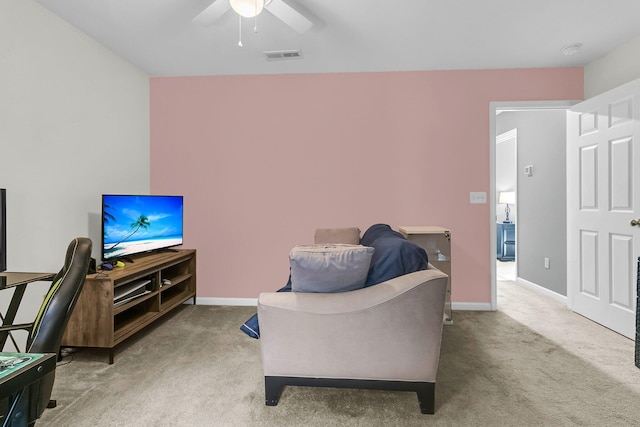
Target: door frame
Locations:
point(494, 107)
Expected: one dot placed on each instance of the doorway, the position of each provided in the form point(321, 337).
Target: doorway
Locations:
point(506, 210)
point(527, 208)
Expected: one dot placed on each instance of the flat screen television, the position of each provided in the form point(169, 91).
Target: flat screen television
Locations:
point(134, 224)
point(3, 229)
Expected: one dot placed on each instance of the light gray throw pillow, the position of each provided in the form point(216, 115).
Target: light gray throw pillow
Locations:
point(329, 267)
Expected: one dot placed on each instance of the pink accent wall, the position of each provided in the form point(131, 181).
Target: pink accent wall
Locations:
point(265, 160)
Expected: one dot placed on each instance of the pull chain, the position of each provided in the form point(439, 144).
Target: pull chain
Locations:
point(239, 30)
point(255, 25)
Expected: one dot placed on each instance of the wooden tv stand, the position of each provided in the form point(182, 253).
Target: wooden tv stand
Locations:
point(96, 322)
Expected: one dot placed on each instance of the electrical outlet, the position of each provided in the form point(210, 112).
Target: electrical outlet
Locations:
point(547, 263)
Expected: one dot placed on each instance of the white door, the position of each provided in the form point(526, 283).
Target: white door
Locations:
point(603, 192)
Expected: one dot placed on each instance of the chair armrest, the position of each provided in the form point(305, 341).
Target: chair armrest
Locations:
point(390, 331)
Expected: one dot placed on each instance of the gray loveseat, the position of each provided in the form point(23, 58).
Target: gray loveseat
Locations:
point(385, 336)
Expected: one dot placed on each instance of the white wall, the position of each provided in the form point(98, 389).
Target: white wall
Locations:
point(619, 66)
point(74, 123)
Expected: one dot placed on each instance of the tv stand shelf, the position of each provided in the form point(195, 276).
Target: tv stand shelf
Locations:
point(97, 323)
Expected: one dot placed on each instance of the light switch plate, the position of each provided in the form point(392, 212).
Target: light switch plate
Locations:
point(478, 197)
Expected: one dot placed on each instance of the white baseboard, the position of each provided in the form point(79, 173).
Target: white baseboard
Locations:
point(228, 301)
point(541, 290)
point(471, 306)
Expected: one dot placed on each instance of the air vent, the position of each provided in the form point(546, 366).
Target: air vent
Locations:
point(278, 55)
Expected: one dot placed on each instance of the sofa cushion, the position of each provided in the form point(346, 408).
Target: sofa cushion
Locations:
point(394, 255)
point(350, 236)
point(329, 267)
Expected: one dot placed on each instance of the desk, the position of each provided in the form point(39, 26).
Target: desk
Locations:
point(19, 281)
point(11, 280)
point(436, 241)
point(16, 379)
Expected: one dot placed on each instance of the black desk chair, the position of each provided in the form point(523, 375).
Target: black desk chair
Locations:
point(46, 331)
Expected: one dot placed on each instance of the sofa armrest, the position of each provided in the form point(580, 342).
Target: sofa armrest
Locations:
point(390, 331)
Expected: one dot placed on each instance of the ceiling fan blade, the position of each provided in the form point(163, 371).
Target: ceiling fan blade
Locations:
point(289, 15)
point(212, 13)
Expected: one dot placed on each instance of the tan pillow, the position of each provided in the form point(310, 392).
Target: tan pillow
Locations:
point(348, 236)
point(329, 268)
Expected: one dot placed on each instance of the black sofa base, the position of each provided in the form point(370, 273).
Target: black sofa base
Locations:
point(273, 386)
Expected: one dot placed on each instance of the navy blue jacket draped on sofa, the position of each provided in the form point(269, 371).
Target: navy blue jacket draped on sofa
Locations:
point(394, 256)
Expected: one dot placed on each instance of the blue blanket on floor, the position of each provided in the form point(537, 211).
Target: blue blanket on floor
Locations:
point(394, 256)
point(251, 326)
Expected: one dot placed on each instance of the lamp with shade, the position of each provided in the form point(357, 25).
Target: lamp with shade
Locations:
point(507, 198)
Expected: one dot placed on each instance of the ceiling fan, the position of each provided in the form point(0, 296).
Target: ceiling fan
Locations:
point(252, 8)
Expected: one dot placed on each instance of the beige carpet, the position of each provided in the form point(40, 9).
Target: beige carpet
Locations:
point(531, 363)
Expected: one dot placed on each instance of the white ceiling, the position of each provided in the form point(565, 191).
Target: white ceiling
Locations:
point(159, 37)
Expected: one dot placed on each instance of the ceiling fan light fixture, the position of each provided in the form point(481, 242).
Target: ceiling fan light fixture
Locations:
point(247, 8)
